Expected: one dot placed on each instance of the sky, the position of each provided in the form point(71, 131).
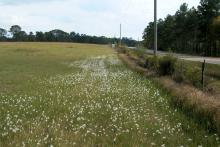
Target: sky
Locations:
point(92, 17)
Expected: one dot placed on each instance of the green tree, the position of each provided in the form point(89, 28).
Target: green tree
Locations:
point(208, 11)
point(3, 34)
point(148, 36)
point(216, 33)
point(15, 29)
point(169, 33)
point(58, 35)
point(49, 37)
point(21, 36)
point(31, 36)
point(180, 28)
point(40, 36)
point(191, 25)
point(189, 30)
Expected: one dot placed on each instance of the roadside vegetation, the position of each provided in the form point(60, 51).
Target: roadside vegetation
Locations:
point(62, 94)
point(182, 71)
point(183, 80)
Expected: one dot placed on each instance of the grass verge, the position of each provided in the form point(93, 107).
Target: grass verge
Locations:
point(203, 108)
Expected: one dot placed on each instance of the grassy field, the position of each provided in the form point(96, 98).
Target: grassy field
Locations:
point(57, 94)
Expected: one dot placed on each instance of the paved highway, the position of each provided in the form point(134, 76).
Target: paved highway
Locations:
point(210, 60)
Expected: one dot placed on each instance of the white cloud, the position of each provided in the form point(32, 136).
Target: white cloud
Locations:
point(94, 17)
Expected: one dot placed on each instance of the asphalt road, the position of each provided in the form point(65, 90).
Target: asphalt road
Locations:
point(210, 60)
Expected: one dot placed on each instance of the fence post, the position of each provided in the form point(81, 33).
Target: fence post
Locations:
point(203, 76)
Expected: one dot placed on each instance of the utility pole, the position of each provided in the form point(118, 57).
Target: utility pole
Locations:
point(120, 35)
point(155, 27)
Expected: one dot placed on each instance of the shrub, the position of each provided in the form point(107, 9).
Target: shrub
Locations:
point(152, 63)
point(194, 76)
point(141, 63)
point(167, 65)
point(140, 53)
point(187, 73)
point(122, 50)
point(179, 72)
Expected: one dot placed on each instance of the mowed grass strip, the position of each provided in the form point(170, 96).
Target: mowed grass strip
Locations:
point(62, 94)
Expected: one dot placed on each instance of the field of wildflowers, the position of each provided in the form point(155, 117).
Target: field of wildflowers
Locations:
point(83, 95)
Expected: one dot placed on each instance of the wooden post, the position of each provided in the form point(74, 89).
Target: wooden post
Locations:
point(203, 75)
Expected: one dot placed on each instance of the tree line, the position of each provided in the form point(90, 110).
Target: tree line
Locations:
point(189, 30)
point(17, 34)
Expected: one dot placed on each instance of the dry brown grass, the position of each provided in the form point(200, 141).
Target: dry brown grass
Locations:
point(203, 107)
point(132, 62)
point(196, 102)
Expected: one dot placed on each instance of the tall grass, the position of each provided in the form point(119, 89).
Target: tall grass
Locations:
point(199, 106)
